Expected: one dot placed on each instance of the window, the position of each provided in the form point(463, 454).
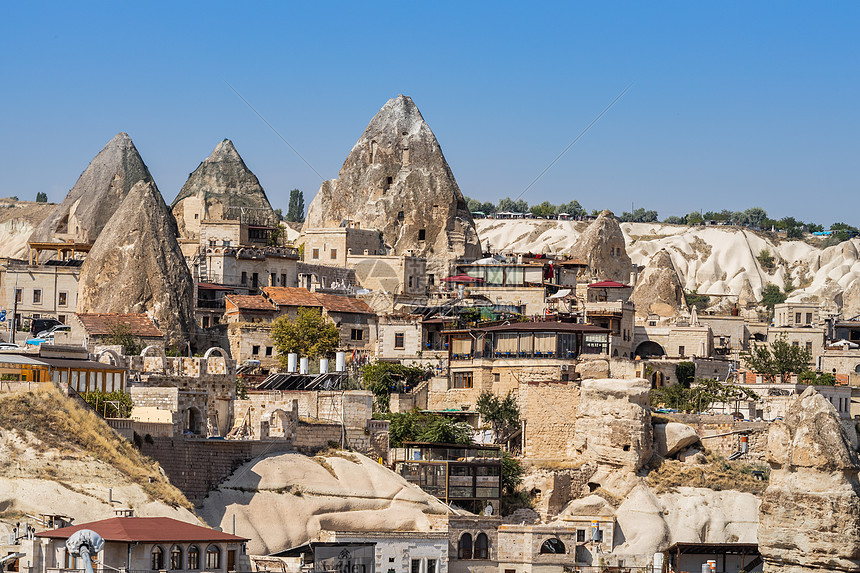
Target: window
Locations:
point(580, 536)
point(416, 563)
point(398, 340)
point(431, 279)
point(255, 280)
point(462, 379)
point(333, 254)
point(356, 334)
point(410, 282)
point(244, 278)
point(482, 546)
point(422, 234)
point(268, 351)
point(193, 558)
point(808, 318)
point(62, 298)
point(464, 547)
point(37, 296)
point(795, 344)
point(61, 318)
point(19, 295)
point(431, 566)
point(175, 558)
point(809, 346)
point(273, 279)
point(196, 215)
point(255, 350)
point(205, 323)
point(213, 557)
point(553, 545)
point(400, 215)
point(797, 317)
point(157, 558)
point(283, 279)
point(315, 254)
point(681, 350)
point(497, 377)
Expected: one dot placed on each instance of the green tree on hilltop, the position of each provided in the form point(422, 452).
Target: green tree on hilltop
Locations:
point(296, 209)
point(41, 197)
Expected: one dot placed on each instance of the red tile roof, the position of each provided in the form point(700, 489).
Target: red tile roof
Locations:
point(249, 302)
point(105, 323)
point(607, 284)
point(144, 530)
point(293, 296)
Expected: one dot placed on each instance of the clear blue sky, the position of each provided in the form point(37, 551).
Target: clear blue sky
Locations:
point(733, 105)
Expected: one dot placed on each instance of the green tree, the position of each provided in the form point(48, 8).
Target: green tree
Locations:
point(296, 208)
point(772, 296)
point(419, 426)
point(444, 430)
point(639, 215)
point(695, 218)
point(574, 209)
point(700, 301)
point(675, 220)
point(120, 334)
point(779, 358)
point(382, 378)
point(512, 473)
point(765, 259)
point(41, 197)
point(753, 217)
point(508, 204)
point(685, 373)
point(545, 209)
point(502, 414)
point(309, 334)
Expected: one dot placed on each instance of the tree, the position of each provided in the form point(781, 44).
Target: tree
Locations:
point(502, 414)
point(695, 218)
point(383, 378)
point(772, 296)
point(512, 473)
point(777, 359)
point(574, 209)
point(639, 215)
point(545, 209)
point(675, 220)
point(309, 334)
point(753, 217)
point(419, 426)
point(508, 204)
point(765, 259)
point(41, 197)
point(685, 373)
point(444, 430)
point(700, 301)
point(296, 209)
point(120, 334)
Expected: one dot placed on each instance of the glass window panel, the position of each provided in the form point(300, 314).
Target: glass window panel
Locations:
point(544, 344)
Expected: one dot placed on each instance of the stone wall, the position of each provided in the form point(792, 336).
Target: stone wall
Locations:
point(549, 410)
point(196, 466)
point(352, 407)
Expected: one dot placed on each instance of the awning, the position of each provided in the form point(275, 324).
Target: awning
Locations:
point(462, 279)
point(560, 294)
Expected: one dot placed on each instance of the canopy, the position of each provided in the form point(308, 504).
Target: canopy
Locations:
point(560, 294)
point(462, 279)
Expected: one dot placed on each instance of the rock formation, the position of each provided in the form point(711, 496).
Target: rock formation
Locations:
point(671, 438)
point(396, 180)
point(614, 423)
point(136, 266)
point(602, 247)
point(97, 194)
point(658, 290)
point(347, 492)
point(851, 300)
point(810, 514)
point(222, 187)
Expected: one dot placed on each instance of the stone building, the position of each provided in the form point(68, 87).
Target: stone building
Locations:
point(554, 547)
point(401, 551)
point(807, 337)
point(796, 315)
point(333, 245)
point(96, 329)
point(47, 290)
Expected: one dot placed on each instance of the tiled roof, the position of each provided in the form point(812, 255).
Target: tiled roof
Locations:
point(144, 530)
point(105, 323)
point(293, 296)
point(607, 284)
point(250, 302)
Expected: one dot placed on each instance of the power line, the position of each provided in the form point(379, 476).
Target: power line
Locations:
point(275, 130)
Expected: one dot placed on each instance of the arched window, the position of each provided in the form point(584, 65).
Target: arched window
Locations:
point(482, 546)
point(157, 558)
point(176, 558)
point(553, 545)
point(857, 369)
point(193, 558)
point(213, 557)
point(464, 547)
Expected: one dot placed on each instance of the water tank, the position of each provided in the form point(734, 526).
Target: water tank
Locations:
point(745, 444)
point(658, 563)
point(340, 362)
point(323, 365)
point(706, 568)
point(303, 365)
point(291, 362)
point(712, 565)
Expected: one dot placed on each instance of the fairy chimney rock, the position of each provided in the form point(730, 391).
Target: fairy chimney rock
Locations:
point(658, 290)
point(136, 266)
point(397, 180)
point(96, 195)
point(222, 187)
point(602, 246)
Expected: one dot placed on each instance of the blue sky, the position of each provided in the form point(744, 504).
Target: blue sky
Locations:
point(732, 105)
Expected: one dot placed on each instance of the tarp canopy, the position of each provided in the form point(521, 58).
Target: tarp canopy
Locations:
point(560, 294)
point(462, 279)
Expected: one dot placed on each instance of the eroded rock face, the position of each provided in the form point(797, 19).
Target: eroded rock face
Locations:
point(810, 514)
point(614, 423)
point(222, 187)
point(671, 438)
point(602, 247)
point(97, 195)
point(136, 266)
point(658, 291)
point(396, 180)
point(851, 300)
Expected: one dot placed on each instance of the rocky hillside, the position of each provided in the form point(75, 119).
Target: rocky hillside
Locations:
point(18, 219)
point(712, 260)
point(59, 457)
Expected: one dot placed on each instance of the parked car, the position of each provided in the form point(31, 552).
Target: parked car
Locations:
point(38, 325)
point(53, 329)
point(9, 346)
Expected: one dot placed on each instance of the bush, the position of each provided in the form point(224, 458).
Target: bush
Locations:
point(383, 378)
point(765, 259)
point(110, 404)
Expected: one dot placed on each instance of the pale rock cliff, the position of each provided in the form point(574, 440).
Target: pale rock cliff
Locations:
point(136, 266)
point(810, 514)
point(222, 187)
point(397, 180)
point(602, 246)
point(851, 300)
point(658, 290)
point(97, 195)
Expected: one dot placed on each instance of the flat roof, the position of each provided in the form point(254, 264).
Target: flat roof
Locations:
point(710, 548)
point(546, 327)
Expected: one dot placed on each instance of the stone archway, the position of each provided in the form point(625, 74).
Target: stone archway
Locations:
point(159, 351)
point(217, 349)
point(648, 349)
point(279, 424)
point(116, 359)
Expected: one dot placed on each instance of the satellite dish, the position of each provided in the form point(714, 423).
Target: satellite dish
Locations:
point(85, 543)
point(488, 510)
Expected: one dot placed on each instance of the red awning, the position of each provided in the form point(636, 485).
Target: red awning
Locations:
point(462, 279)
point(607, 284)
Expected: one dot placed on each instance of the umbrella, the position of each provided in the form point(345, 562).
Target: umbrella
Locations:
point(462, 279)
